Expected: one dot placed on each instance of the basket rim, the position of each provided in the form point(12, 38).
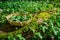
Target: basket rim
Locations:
point(12, 14)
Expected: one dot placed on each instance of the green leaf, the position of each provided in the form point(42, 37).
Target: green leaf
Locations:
point(19, 37)
point(38, 34)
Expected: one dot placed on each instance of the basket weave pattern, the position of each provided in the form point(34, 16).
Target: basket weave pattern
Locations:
point(17, 23)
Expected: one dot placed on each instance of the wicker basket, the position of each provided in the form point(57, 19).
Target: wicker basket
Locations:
point(17, 23)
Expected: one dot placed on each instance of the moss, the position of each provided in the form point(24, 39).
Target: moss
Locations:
point(44, 15)
point(3, 36)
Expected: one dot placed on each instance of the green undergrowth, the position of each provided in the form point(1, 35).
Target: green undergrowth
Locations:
point(25, 6)
point(49, 28)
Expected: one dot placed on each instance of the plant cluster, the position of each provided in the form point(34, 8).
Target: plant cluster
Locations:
point(50, 29)
point(28, 6)
point(15, 37)
point(20, 18)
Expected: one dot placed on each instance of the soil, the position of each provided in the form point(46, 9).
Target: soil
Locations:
point(6, 28)
point(28, 35)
